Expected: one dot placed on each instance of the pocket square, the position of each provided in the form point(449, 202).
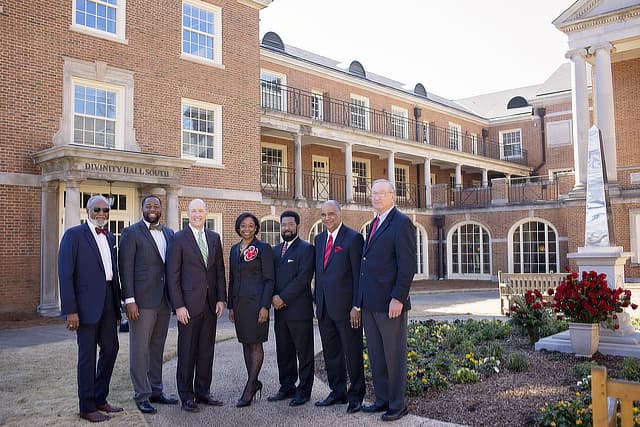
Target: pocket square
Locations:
point(337, 249)
point(290, 260)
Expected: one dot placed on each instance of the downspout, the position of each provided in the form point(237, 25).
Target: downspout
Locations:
point(541, 113)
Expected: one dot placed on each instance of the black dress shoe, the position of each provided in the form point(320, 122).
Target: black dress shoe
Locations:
point(190, 406)
point(375, 407)
point(145, 407)
point(208, 400)
point(164, 399)
point(395, 414)
point(280, 395)
point(331, 400)
point(298, 400)
point(354, 407)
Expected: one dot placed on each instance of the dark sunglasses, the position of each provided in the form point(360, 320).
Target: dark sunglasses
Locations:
point(104, 210)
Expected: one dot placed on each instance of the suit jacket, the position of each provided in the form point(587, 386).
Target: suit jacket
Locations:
point(81, 274)
point(293, 280)
point(142, 271)
point(188, 278)
point(388, 264)
point(253, 278)
point(337, 286)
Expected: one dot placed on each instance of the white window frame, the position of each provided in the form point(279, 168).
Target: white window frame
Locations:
point(275, 220)
point(474, 142)
point(217, 34)
point(425, 133)
point(634, 225)
point(267, 90)
point(407, 194)
point(317, 104)
point(367, 178)
point(455, 136)
point(121, 15)
point(98, 74)
point(217, 135)
point(422, 252)
point(516, 226)
point(119, 118)
point(282, 180)
point(399, 122)
point(317, 228)
point(362, 105)
point(215, 217)
point(503, 134)
point(484, 275)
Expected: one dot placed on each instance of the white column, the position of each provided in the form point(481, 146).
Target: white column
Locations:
point(49, 221)
point(427, 183)
point(458, 176)
point(348, 172)
point(604, 108)
point(391, 166)
point(297, 166)
point(485, 178)
point(72, 203)
point(173, 210)
point(580, 112)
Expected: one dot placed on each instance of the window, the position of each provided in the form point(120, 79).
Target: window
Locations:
point(316, 229)
point(270, 231)
point(474, 143)
point(634, 222)
point(316, 105)
point(399, 122)
point(202, 32)
point(511, 144)
point(401, 175)
point(470, 251)
point(273, 169)
point(102, 18)
point(360, 171)
point(94, 115)
point(213, 222)
point(425, 133)
point(359, 109)
point(202, 131)
point(534, 248)
point(421, 251)
point(454, 136)
point(272, 95)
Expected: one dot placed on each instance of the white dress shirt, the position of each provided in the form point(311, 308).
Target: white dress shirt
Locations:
point(105, 250)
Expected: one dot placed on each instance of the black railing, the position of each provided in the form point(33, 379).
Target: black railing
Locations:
point(315, 106)
point(322, 186)
point(277, 181)
point(471, 197)
point(532, 189)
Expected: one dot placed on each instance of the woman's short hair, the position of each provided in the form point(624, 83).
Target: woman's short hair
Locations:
point(242, 217)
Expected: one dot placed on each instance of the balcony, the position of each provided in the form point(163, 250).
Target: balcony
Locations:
point(298, 102)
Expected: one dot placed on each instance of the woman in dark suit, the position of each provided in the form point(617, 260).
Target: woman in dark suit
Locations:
point(251, 281)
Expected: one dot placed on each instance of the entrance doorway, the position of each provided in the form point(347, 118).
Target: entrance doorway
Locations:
point(321, 180)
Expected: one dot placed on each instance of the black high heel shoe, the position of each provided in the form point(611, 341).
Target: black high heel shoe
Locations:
point(242, 402)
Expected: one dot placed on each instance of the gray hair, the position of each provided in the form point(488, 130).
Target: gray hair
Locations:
point(334, 203)
point(94, 199)
point(386, 181)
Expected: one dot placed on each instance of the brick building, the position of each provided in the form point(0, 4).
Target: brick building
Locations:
point(183, 100)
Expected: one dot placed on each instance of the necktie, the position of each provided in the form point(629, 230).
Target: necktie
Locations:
point(327, 250)
point(203, 247)
point(101, 230)
point(284, 249)
point(157, 226)
point(374, 227)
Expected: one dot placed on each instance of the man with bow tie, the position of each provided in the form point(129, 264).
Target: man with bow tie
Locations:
point(143, 247)
point(90, 301)
point(338, 252)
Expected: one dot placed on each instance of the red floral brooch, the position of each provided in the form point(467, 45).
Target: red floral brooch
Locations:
point(250, 253)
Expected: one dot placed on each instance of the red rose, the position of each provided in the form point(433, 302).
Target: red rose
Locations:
point(250, 253)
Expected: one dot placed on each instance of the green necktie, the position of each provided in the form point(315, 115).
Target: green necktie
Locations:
point(203, 247)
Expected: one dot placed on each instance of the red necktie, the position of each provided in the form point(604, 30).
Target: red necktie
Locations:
point(327, 250)
point(100, 230)
point(374, 227)
point(284, 249)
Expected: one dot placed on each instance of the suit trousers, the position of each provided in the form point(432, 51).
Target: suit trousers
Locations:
point(196, 342)
point(387, 345)
point(342, 351)
point(147, 337)
point(93, 385)
point(294, 340)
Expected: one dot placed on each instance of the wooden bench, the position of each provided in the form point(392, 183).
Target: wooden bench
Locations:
point(512, 284)
point(605, 394)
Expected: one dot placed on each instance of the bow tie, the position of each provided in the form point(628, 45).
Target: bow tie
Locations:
point(155, 227)
point(100, 230)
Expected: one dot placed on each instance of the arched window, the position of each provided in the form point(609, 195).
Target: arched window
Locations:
point(364, 229)
point(316, 229)
point(421, 251)
point(533, 247)
point(469, 253)
point(270, 231)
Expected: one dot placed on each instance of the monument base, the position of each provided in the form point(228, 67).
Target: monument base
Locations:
point(609, 260)
point(614, 345)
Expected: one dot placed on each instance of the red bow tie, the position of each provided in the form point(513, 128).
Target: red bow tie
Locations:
point(100, 230)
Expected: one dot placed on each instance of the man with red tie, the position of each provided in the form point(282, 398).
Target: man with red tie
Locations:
point(338, 252)
point(90, 301)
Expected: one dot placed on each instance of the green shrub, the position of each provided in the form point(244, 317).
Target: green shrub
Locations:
point(630, 370)
point(492, 349)
point(466, 376)
point(517, 362)
point(583, 369)
point(553, 327)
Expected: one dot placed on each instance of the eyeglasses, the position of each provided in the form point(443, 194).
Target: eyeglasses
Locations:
point(381, 194)
point(104, 210)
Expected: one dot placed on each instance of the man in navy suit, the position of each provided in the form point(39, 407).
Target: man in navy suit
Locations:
point(338, 252)
point(143, 247)
point(198, 291)
point(90, 301)
point(293, 304)
point(386, 273)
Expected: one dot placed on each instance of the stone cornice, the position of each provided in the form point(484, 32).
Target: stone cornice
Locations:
point(256, 4)
point(602, 20)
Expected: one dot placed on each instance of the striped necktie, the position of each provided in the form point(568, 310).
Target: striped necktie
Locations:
point(327, 250)
point(284, 249)
point(203, 247)
point(374, 227)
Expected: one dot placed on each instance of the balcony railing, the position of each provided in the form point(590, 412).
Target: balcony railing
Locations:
point(322, 186)
point(532, 189)
point(344, 113)
point(277, 181)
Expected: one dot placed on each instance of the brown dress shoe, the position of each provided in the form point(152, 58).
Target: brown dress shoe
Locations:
point(94, 417)
point(109, 408)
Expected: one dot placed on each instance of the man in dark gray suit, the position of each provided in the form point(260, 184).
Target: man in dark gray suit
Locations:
point(143, 246)
point(293, 304)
